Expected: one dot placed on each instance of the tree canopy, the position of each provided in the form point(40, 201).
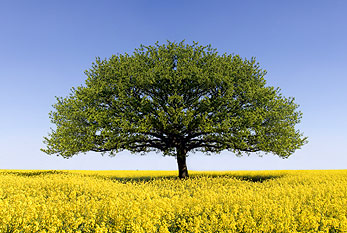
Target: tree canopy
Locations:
point(175, 98)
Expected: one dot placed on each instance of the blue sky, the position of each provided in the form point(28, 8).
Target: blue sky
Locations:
point(45, 47)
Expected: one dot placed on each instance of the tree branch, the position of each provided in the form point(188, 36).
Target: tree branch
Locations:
point(194, 146)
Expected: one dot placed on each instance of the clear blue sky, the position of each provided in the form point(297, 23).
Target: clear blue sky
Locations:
point(45, 47)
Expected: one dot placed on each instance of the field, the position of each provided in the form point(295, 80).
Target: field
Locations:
point(156, 201)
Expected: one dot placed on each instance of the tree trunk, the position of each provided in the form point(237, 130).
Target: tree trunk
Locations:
point(182, 166)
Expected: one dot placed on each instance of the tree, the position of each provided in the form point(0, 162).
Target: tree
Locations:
point(175, 98)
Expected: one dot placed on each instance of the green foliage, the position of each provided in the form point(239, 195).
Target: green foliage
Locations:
point(175, 97)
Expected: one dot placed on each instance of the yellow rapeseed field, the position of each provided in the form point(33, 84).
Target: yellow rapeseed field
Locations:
point(156, 201)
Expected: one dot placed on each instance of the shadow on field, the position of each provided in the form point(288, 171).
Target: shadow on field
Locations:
point(140, 179)
point(247, 178)
point(253, 178)
point(33, 173)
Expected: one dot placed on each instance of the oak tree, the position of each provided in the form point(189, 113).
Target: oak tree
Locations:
point(175, 98)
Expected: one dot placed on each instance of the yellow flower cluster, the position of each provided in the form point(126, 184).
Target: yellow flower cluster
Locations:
point(156, 201)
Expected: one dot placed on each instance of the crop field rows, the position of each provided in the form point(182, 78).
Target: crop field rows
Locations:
point(156, 201)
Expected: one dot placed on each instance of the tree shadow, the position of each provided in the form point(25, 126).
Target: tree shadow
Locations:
point(139, 179)
point(145, 179)
point(33, 173)
point(255, 178)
